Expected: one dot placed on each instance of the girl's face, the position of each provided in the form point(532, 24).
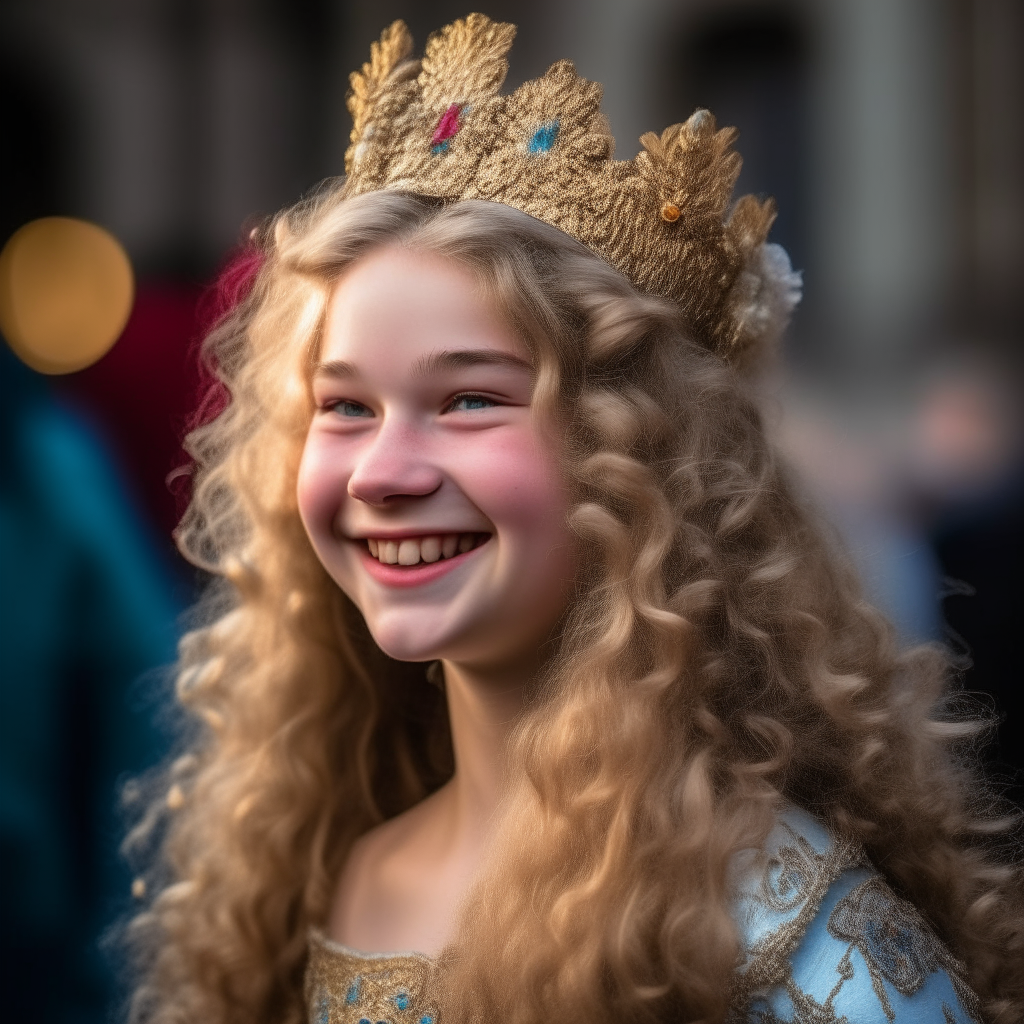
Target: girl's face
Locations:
point(426, 486)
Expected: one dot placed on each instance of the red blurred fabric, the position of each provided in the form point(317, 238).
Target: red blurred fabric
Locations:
point(152, 388)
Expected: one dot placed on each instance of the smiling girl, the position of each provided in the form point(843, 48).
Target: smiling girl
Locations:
point(535, 692)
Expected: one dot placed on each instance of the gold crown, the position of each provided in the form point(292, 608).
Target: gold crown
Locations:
point(439, 127)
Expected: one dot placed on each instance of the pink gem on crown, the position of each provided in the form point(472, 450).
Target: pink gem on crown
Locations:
point(446, 128)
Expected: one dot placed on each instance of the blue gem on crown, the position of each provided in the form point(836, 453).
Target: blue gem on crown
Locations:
point(544, 138)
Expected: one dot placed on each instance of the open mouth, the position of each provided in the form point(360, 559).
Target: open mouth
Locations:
point(409, 551)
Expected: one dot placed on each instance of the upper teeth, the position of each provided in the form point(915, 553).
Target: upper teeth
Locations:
point(412, 551)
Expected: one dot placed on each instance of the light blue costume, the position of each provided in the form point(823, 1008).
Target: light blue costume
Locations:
point(828, 942)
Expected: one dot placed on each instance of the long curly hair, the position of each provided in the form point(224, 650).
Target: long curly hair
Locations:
point(717, 659)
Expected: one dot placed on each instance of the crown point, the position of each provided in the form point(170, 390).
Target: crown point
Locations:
point(670, 213)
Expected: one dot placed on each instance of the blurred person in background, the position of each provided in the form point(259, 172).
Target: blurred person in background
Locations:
point(856, 471)
point(89, 596)
point(86, 616)
point(929, 499)
point(966, 468)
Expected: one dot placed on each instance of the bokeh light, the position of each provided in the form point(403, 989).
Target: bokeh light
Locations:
point(66, 290)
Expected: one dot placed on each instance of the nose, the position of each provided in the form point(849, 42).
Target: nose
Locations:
point(394, 465)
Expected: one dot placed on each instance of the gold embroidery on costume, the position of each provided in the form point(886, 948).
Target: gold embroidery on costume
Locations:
point(809, 1010)
point(896, 944)
point(796, 878)
point(343, 987)
point(870, 938)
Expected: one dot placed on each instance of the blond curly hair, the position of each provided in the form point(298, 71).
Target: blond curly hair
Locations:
point(717, 659)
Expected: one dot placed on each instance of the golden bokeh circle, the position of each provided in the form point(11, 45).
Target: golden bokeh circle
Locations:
point(66, 290)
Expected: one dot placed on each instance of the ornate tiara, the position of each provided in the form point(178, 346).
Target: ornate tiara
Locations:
point(438, 126)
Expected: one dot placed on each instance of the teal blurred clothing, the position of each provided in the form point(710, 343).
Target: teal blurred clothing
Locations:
point(86, 611)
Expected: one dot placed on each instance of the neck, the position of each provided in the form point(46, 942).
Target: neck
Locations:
point(483, 708)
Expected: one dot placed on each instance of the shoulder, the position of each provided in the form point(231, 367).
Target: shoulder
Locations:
point(825, 939)
point(398, 884)
point(377, 865)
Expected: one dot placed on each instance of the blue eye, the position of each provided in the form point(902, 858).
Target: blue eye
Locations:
point(350, 409)
point(468, 403)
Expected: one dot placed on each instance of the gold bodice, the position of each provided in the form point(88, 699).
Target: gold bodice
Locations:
point(346, 987)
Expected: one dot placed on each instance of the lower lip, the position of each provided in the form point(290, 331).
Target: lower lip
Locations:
point(412, 575)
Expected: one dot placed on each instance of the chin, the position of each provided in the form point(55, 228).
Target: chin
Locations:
point(406, 641)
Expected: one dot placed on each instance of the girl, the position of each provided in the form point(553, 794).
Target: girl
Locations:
point(533, 690)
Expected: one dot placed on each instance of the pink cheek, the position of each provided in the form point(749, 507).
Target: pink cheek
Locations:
point(320, 489)
point(514, 480)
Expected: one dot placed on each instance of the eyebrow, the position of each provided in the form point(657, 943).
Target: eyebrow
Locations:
point(458, 359)
point(436, 362)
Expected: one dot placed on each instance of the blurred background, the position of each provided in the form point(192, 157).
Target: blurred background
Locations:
point(892, 134)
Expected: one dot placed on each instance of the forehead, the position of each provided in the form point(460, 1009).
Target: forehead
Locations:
point(397, 304)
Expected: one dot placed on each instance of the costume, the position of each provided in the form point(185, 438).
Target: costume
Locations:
point(825, 941)
point(824, 938)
